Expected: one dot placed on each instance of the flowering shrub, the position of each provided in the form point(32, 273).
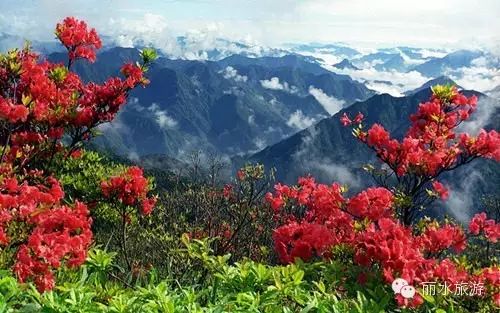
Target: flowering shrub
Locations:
point(129, 190)
point(490, 228)
point(40, 103)
point(376, 223)
point(57, 232)
point(430, 148)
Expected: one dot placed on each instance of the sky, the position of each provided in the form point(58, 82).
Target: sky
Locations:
point(369, 23)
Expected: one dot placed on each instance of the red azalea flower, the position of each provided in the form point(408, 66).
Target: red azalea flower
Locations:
point(440, 189)
point(345, 120)
point(80, 41)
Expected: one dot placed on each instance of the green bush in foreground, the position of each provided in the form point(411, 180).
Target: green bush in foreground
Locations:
point(246, 286)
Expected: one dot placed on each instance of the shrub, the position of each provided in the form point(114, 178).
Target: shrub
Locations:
point(380, 224)
point(42, 105)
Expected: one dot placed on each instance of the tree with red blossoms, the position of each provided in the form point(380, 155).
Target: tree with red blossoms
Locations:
point(40, 104)
point(377, 226)
point(432, 146)
point(130, 190)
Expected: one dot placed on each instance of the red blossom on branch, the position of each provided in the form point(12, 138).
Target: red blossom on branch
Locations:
point(431, 147)
point(80, 41)
point(130, 188)
point(480, 224)
point(440, 189)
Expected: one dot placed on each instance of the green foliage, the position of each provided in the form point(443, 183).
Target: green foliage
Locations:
point(148, 55)
point(81, 177)
point(246, 286)
point(444, 92)
point(236, 221)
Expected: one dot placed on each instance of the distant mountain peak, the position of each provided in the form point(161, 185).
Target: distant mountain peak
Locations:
point(345, 64)
point(441, 80)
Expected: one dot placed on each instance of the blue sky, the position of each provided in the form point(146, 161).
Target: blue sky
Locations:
point(458, 23)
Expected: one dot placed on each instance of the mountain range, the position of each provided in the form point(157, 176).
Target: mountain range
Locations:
point(233, 106)
point(283, 109)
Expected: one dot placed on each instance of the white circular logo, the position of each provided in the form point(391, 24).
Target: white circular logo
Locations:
point(408, 291)
point(397, 284)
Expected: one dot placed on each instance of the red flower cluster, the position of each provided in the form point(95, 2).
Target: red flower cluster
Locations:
point(366, 223)
point(303, 241)
point(429, 146)
point(346, 121)
point(393, 247)
point(490, 229)
point(227, 191)
point(130, 188)
point(60, 234)
point(78, 39)
point(325, 219)
point(12, 112)
point(40, 102)
point(490, 278)
point(318, 217)
point(50, 100)
point(373, 203)
point(440, 189)
point(436, 239)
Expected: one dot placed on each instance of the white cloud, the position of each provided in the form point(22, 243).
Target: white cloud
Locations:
point(480, 78)
point(274, 102)
point(328, 57)
point(486, 108)
point(234, 90)
point(251, 119)
point(377, 23)
point(400, 81)
point(461, 199)
point(151, 29)
point(115, 126)
point(494, 93)
point(275, 84)
point(309, 159)
point(299, 120)
point(406, 22)
point(231, 73)
point(433, 53)
point(119, 137)
point(259, 143)
point(133, 156)
point(337, 172)
point(409, 61)
point(191, 43)
point(133, 103)
point(382, 87)
point(162, 118)
point(331, 104)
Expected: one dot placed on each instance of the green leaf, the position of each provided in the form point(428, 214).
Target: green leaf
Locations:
point(428, 298)
point(148, 55)
point(297, 277)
